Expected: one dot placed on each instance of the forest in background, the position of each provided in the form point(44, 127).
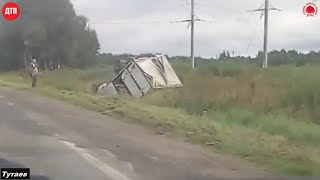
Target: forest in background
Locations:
point(276, 58)
point(49, 31)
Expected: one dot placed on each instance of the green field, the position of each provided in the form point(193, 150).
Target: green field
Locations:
point(270, 117)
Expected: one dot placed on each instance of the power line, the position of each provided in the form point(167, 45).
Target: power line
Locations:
point(192, 21)
point(135, 23)
point(265, 12)
point(192, 33)
point(153, 22)
point(194, 18)
point(253, 35)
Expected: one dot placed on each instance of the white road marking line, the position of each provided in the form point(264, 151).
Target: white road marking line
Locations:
point(105, 168)
point(109, 154)
point(154, 158)
point(10, 104)
point(130, 167)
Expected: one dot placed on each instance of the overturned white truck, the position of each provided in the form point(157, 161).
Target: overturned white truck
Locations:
point(139, 75)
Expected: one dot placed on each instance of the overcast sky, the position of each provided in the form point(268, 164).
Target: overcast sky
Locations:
point(140, 26)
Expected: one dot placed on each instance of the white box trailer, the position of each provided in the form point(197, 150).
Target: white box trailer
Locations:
point(140, 75)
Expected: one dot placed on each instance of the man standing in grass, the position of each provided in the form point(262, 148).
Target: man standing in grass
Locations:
point(34, 71)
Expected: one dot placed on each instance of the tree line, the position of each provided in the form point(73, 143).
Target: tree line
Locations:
point(276, 58)
point(51, 32)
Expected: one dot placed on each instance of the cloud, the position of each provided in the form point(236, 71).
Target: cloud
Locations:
point(126, 26)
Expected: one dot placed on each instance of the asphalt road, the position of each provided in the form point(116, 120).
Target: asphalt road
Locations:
point(58, 141)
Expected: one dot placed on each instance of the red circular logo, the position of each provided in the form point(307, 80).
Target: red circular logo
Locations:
point(310, 9)
point(11, 11)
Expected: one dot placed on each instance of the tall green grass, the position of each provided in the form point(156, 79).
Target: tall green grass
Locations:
point(293, 91)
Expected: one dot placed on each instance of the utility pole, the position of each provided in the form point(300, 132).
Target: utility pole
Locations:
point(265, 12)
point(192, 34)
point(191, 22)
point(265, 43)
